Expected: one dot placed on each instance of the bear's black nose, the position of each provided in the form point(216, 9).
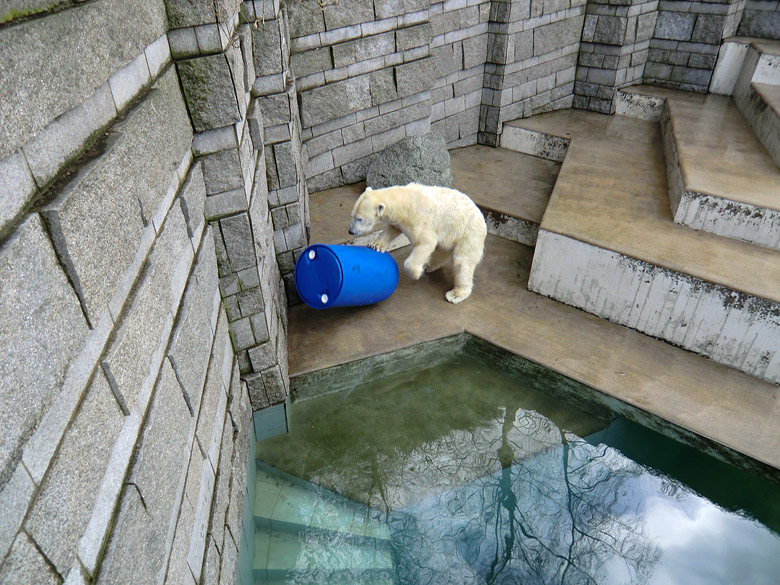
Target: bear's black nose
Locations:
point(351, 232)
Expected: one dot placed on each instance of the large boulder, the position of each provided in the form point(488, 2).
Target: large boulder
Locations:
point(415, 159)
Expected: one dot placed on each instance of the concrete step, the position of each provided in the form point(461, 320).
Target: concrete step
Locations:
point(749, 71)
point(721, 179)
point(512, 207)
point(511, 188)
point(607, 244)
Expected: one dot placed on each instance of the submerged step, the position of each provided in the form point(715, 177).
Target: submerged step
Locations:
point(282, 505)
point(607, 244)
point(320, 557)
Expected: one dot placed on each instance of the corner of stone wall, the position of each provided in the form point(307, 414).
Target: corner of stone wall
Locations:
point(531, 61)
point(686, 40)
point(614, 49)
point(221, 79)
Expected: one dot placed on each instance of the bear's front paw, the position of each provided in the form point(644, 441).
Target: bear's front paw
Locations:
point(414, 272)
point(378, 245)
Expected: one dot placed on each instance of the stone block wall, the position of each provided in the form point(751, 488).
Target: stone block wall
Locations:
point(531, 60)
point(615, 45)
point(459, 37)
point(685, 44)
point(364, 72)
point(138, 283)
point(276, 125)
point(225, 58)
point(761, 18)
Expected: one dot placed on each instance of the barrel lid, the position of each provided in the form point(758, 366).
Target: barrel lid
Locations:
point(318, 276)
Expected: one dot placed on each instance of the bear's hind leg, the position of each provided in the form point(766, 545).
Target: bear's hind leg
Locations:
point(438, 259)
point(464, 277)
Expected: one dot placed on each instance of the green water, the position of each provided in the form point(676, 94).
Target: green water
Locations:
point(483, 479)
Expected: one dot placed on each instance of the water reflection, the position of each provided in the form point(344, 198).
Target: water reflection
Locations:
point(576, 513)
point(499, 493)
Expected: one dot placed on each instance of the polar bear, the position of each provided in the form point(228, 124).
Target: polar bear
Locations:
point(439, 222)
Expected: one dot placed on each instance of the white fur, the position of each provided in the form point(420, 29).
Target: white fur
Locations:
point(440, 223)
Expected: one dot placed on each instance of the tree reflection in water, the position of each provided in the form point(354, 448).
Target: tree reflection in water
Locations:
point(559, 516)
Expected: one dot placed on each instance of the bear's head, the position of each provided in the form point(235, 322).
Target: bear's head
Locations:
point(367, 212)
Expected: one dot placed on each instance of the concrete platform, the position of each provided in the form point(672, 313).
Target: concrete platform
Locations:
point(720, 403)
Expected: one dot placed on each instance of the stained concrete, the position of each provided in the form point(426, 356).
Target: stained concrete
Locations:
point(695, 393)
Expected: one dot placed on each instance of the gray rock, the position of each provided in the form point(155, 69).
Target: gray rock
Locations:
point(415, 76)
point(42, 329)
point(348, 12)
point(676, 26)
point(708, 29)
point(193, 200)
point(237, 235)
point(222, 171)
point(139, 333)
point(305, 18)
point(557, 35)
point(150, 496)
point(328, 102)
point(192, 337)
point(63, 506)
point(211, 416)
point(610, 30)
point(64, 138)
point(17, 186)
point(222, 487)
point(414, 36)
point(310, 62)
point(15, 497)
point(186, 13)
point(268, 50)
point(416, 159)
point(760, 23)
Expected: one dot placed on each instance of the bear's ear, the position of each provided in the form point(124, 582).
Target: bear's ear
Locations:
point(380, 208)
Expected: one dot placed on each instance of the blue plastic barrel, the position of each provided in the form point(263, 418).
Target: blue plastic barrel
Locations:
point(344, 276)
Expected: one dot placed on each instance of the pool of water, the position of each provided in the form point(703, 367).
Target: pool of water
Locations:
point(457, 473)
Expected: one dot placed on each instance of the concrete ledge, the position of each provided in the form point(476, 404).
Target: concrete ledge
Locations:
point(535, 143)
point(710, 187)
point(737, 330)
point(757, 95)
